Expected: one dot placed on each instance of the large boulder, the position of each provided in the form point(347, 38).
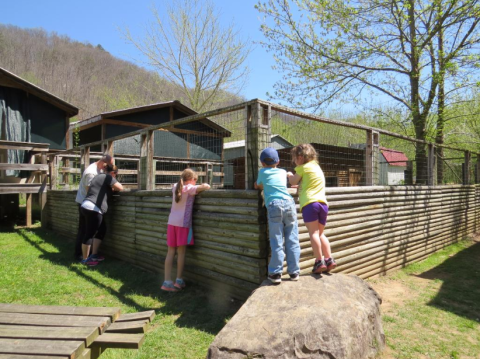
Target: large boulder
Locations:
point(334, 316)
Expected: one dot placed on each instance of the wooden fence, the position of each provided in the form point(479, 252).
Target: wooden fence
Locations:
point(372, 230)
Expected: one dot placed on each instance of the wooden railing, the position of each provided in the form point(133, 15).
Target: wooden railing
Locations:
point(36, 182)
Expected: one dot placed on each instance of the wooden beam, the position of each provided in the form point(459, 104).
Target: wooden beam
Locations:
point(24, 167)
point(27, 146)
point(84, 159)
point(65, 348)
point(119, 340)
point(112, 312)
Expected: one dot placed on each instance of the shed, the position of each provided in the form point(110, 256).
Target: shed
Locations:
point(28, 114)
point(393, 164)
point(200, 141)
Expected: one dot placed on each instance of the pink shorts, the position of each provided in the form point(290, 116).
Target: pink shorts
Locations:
point(179, 236)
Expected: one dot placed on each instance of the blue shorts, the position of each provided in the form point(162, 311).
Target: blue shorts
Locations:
point(316, 211)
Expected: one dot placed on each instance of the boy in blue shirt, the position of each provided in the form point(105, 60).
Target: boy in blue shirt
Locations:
point(282, 217)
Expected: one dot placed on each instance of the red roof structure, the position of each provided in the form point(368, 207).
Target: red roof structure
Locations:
point(393, 157)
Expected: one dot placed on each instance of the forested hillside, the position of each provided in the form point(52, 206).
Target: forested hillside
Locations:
point(82, 74)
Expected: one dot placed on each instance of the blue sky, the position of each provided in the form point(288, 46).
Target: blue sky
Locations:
point(97, 22)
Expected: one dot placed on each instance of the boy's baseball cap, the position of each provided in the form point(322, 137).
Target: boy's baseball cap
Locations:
point(269, 156)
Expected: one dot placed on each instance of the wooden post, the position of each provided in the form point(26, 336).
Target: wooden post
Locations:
point(109, 148)
point(371, 158)
point(53, 171)
point(146, 172)
point(84, 159)
point(29, 197)
point(257, 138)
point(431, 166)
point(209, 169)
point(43, 193)
point(466, 168)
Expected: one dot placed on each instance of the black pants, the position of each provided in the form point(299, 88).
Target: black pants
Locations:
point(80, 233)
point(95, 226)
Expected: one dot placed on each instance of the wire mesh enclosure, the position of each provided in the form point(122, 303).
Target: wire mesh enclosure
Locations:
point(223, 147)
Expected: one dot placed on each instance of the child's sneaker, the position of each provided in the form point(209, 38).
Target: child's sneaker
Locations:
point(275, 278)
point(294, 276)
point(169, 287)
point(319, 266)
point(97, 258)
point(89, 262)
point(180, 283)
point(331, 264)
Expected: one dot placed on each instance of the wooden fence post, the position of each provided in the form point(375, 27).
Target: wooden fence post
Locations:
point(84, 159)
point(146, 173)
point(371, 158)
point(257, 137)
point(109, 149)
point(431, 166)
point(43, 193)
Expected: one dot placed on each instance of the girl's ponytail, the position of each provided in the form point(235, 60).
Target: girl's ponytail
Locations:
point(178, 190)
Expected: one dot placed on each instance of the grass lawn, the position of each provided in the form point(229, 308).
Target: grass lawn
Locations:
point(430, 309)
point(36, 268)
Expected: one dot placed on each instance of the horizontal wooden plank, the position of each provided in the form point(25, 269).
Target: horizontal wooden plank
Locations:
point(119, 340)
point(138, 326)
point(147, 315)
point(50, 320)
point(23, 167)
point(70, 349)
point(32, 356)
point(112, 312)
point(10, 188)
point(85, 334)
point(27, 146)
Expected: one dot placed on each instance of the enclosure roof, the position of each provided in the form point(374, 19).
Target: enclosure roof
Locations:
point(393, 157)
point(241, 143)
point(9, 79)
point(177, 104)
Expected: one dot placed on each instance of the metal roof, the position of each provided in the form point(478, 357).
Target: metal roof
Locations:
point(394, 157)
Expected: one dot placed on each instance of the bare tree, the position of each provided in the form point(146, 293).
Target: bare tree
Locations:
point(188, 46)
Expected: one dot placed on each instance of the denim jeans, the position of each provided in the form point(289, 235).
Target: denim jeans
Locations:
point(282, 222)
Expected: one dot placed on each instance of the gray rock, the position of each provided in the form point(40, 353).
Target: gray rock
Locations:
point(335, 316)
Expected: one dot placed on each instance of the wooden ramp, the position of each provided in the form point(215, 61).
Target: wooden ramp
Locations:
point(31, 331)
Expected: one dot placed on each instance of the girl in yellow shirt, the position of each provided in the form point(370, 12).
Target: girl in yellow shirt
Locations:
point(313, 204)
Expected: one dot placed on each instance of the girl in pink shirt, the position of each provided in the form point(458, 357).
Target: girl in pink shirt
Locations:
point(179, 230)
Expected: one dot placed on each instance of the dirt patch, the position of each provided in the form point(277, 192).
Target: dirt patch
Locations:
point(392, 292)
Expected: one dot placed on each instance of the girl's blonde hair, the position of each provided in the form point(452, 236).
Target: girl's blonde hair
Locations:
point(187, 175)
point(306, 150)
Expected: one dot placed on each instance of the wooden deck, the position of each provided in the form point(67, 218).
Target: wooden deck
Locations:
point(37, 331)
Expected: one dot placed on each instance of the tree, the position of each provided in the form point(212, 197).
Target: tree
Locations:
point(457, 55)
point(331, 49)
point(191, 49)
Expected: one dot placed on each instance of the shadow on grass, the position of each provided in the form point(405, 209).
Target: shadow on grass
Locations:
point(460, 291)
point(195, 307)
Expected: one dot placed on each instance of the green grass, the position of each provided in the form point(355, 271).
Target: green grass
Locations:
point(36, 268)
point(438, 313)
